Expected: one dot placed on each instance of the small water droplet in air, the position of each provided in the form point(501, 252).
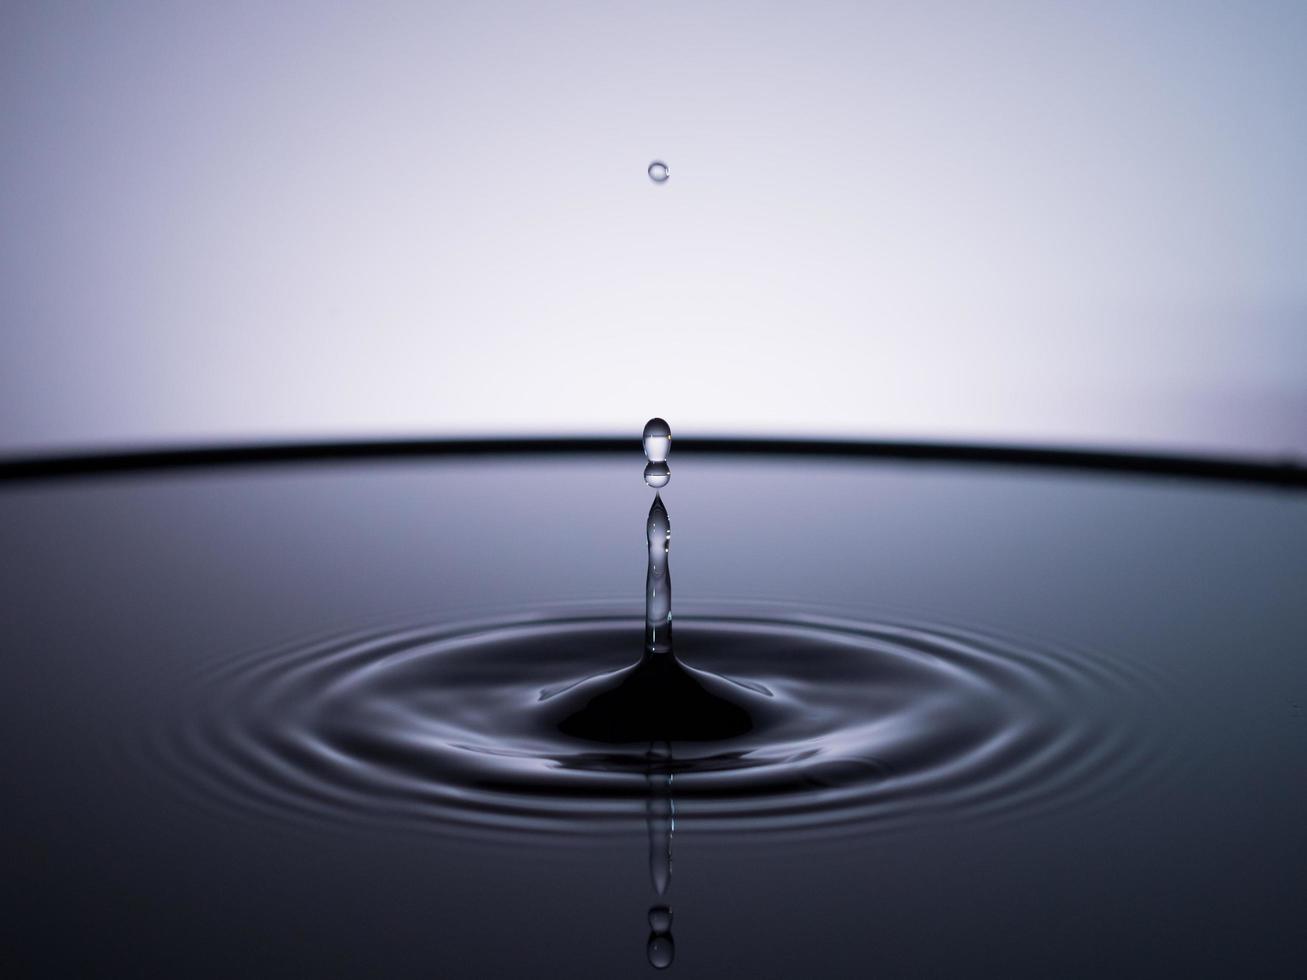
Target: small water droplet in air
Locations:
point(657, 475)
point(660, 918)
point(659, 172)
point(661, 951)
point(657, 440)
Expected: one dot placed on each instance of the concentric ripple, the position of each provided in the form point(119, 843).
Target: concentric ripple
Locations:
point(863, 724)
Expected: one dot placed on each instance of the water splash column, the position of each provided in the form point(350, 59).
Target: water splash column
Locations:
point(657, 441)
point(658, 584)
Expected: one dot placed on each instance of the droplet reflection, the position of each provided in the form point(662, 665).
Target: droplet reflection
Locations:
point(660, 918)
point(661, 951)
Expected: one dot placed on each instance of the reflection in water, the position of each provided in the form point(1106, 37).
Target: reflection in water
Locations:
point(661, 821)
point(661, 817)
point(662, 948)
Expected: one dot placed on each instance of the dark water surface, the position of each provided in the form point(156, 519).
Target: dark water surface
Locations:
point(315, 721)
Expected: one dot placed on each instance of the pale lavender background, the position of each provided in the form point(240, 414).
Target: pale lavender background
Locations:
point(1052, 222)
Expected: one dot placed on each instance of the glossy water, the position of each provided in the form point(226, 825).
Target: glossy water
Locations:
point(325, 721)
point(798, 723)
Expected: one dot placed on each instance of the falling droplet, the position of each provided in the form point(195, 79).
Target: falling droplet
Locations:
point(660, 919)
point(657, 440)
point(659, 172)
point(661, 952)
point(657, 475)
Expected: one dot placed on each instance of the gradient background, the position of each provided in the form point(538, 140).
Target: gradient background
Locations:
point(1047, 222)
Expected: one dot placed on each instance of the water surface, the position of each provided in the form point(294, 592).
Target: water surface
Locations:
point(185, 795)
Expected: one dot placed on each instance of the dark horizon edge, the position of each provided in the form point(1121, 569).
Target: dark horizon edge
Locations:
point(1280, 473)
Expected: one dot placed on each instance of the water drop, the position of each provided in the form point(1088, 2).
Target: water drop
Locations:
point(657, 475)
point(657, 440)
point(659, 172)
point(660, 919)
point(661, 952)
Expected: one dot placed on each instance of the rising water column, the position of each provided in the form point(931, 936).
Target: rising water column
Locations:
point(657, 441)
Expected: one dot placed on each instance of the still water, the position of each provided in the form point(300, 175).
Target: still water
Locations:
point(406, 719)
